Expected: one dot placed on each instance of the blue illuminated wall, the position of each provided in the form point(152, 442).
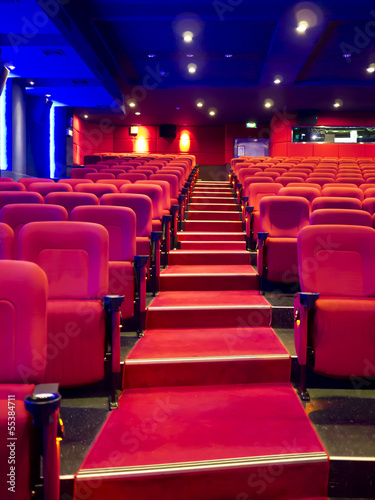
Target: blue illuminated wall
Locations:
point(6, 127)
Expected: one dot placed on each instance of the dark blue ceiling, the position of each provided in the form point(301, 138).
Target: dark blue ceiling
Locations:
point(106, 43)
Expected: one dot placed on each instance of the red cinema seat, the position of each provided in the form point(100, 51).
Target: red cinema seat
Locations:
point(335, 311)
point(120, 223)
point(16, 216)
point(341, 216)
point(6, 241)
point(148, 242)
point(113, 182)
point(80, 173)
point(336, 202)
point(285, 181)
point(115, 171)
point(257, 191)
point(175, 201)
point(296, 173)
point(96, 189)
point(351, 180)
point(71, 200)
point(246, 172)
point(44, 188)
point(146, 172)
point(309, 193)
point(126, 168)
point(305, 184)
point(273, 175)
point(370, 192)
point(368, 205)
point(74, 182)
point(12, 186)
point(99, 175)
point(23, 332)
point(254, 180)
point(175, 171)
point(279, 170)
point(281, 218)
point(133, 176)
point(99, 167)
point(8, 197)
point(74, 256)
point(6, 179)
point(26, 181)
point(343, 192)
point(155, 193)
point(148, 166)
point(322, 181)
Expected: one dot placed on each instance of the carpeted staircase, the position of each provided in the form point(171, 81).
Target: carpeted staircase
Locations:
point(207, 412)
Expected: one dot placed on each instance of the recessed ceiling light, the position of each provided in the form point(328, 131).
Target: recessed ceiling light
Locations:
point(277, 80)
point(302, 26)
point(371, 68)
point(151, 55)
point(189, 55)
point(132, 104)
point(137, 113)
point(86, 116)
point(192, 68)
point(338, 103)
point(177, 107)
point(212, 111)
point(268, 103)
point(162, 73)
point(346, 55)
point(32, 83)
point(10, 67)
point(199, 104)
point(228, 55)
point(187, 36)
point(48, 95)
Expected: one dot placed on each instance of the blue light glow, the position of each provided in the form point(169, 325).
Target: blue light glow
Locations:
point(3, 131)
point(52, 148)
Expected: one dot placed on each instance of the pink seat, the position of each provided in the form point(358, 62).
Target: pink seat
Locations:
point(352, 180)
point(155, 193)
point(6, 179)
point(343, 192)
point(23, 332)
point(370, 192)
point(6, 241)
point(285, 181)
point(154, 169)
point(12, 186)
point(257, 191)
point(99, 175)
point(80, 173)
point(296, 173)
point(120, 223)
point(71, 200)
point(44, 188)
point(74, 182)
point(116, 170)
point(113, 182)
point(26, 181)
point(341, 216)
point(96, 189)
point(368, 205)
point(125, 167)
point(305, 184)
point(132, 177)
point(8, 197)
point(246, 172)
point(319, 180)
point(16, 216)
point(342, 301)
point(281, 218)
point(309, 193)
point(74, 255)
point(336, 202)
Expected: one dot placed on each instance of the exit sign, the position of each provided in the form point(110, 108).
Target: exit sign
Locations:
point(251, 125)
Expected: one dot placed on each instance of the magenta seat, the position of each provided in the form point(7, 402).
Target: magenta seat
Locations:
point(285, 181)
point(155, 193)
point(44, 188)
point(322, 181)
point(12, 186)
point(115, 171)
point(132, 177)
point(368, 205)
point(154, 169)
point(282, 217)
point(343, 192)
point(99, 175)
point(71, 200)
point(6, 179)
point(246, 172)
point(80, 173)
point(125, 167)
point(341, 216)
point(120, 223)
point(258, 191)
point(309, 193)
point(173, 183)
point(336, 202)
point(6, 241)
point(26, 181)
point(8, 197)
point(74, 256)
point(113, 182)
point(74, 182)
point(96, 189)
point(16, 216)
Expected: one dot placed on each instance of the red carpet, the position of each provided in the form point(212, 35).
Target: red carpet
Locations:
point(208, 412)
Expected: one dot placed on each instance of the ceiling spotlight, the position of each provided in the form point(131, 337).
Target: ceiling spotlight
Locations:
point(278, 79)
point(338, 103)
point(132, 104)
point(199, 104)
point(10, 67)
point(48, 95)
point(86, 116)
point(192, 68)
point(371, 68)
point(151, 55)
point(189, 55)
point(302, 26)
point(137, 113)
point(32, 83)
point(228, 55)
point(212, 111)
point(177, 107)
point(187, 36)
point(268, 103)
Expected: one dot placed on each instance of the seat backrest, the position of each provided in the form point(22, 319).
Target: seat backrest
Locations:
point(71, 200)
point(246, 172)
point(337, 260)
point(309, 193)
point(96, 189)
point(12, 186)
point(171, 179)
point(305, 184)
point(258, 191)
point(6, 179)
point(120, 222)
point(368, 205)
point(116, 170)
point(26, 181)
point(165, 186)
point(23, 322)
point(336, 202)
point(133, 176)
point(345, 192)
point(283, 216)
point(341, 216)
point(99, 175)
point(370, 192)
point(113, 182)
point(319, 180)
point(44, 188)
point(287, 180)
point(74, 182)
point(155, 193)
point(352, 180)
point(148, 167)
point(74, 256)
point(79, 173)
point(139, 203)
point(16, 216)
point(9, 197)
point(6, 241)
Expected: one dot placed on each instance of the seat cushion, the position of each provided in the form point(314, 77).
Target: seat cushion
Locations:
point(75, 344)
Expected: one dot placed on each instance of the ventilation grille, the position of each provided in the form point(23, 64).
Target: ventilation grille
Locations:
point(54, 52)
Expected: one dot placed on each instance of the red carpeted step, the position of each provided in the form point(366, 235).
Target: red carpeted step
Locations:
point(213, 245)
point(213, 191)
point(218, 207)
point(179, 278)
point(208, 309)
point(209, 257)
point(213, 226)
point(224, 184)
point(211, 198)
point(213, 215)
point(207, 357)
point(206, 442)
point(202, 236)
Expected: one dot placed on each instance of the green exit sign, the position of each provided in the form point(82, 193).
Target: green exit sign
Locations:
point(251, 125)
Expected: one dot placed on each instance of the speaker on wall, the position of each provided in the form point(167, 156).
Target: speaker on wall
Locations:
point(167, 130)
point(3, 78)
point(307, 117)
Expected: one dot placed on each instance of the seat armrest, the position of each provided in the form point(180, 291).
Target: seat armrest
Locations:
point(262, 237)
point(304, 305)
point(140, 262)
